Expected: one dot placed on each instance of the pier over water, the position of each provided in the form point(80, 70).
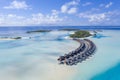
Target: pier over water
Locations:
point(83, 52)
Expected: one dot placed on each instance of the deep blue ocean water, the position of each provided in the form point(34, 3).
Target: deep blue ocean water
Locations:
point(18, 30)
point(60, 27)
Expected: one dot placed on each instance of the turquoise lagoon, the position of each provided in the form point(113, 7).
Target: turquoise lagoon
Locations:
point(36, 58)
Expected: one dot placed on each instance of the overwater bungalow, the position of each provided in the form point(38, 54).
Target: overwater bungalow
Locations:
point(80, 54)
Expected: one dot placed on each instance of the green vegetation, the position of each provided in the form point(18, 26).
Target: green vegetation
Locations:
point(80, 34)
point(69, 29)
point(38, 31)
point(13, 38)
point(16, 38)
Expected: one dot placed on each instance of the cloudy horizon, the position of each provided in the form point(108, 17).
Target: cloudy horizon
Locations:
point(58, 13)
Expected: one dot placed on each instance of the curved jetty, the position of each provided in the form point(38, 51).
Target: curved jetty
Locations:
point(84, 51)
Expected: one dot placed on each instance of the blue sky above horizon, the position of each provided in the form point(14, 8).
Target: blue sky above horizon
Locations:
point(59, 12)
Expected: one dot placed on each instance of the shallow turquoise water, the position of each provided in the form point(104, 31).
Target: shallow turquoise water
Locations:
point(36, 58)
point(107, 57)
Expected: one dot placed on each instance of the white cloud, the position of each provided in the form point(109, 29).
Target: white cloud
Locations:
point(11, 19)
point(55, 12)
point(44, 19)
point(101, 18)
point(35, 19)
point(64, 9)
point(54, 18)
point(70, 7)
point(97, 17)
point(14, 16)
point(108, 5)
point(1, 21)
point(72, 10)
point(93, 17)
point(17, 5)
point(87, 4)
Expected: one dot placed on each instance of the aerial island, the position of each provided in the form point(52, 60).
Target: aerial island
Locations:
point(83, 52)
point(77, 34)
point(10, 38)
point(37, 31)
point(81, 34)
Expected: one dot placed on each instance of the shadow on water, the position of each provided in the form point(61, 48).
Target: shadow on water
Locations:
point(111, 74)
point(99, 36)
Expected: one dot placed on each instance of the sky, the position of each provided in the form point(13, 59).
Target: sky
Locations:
point(59, 12)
